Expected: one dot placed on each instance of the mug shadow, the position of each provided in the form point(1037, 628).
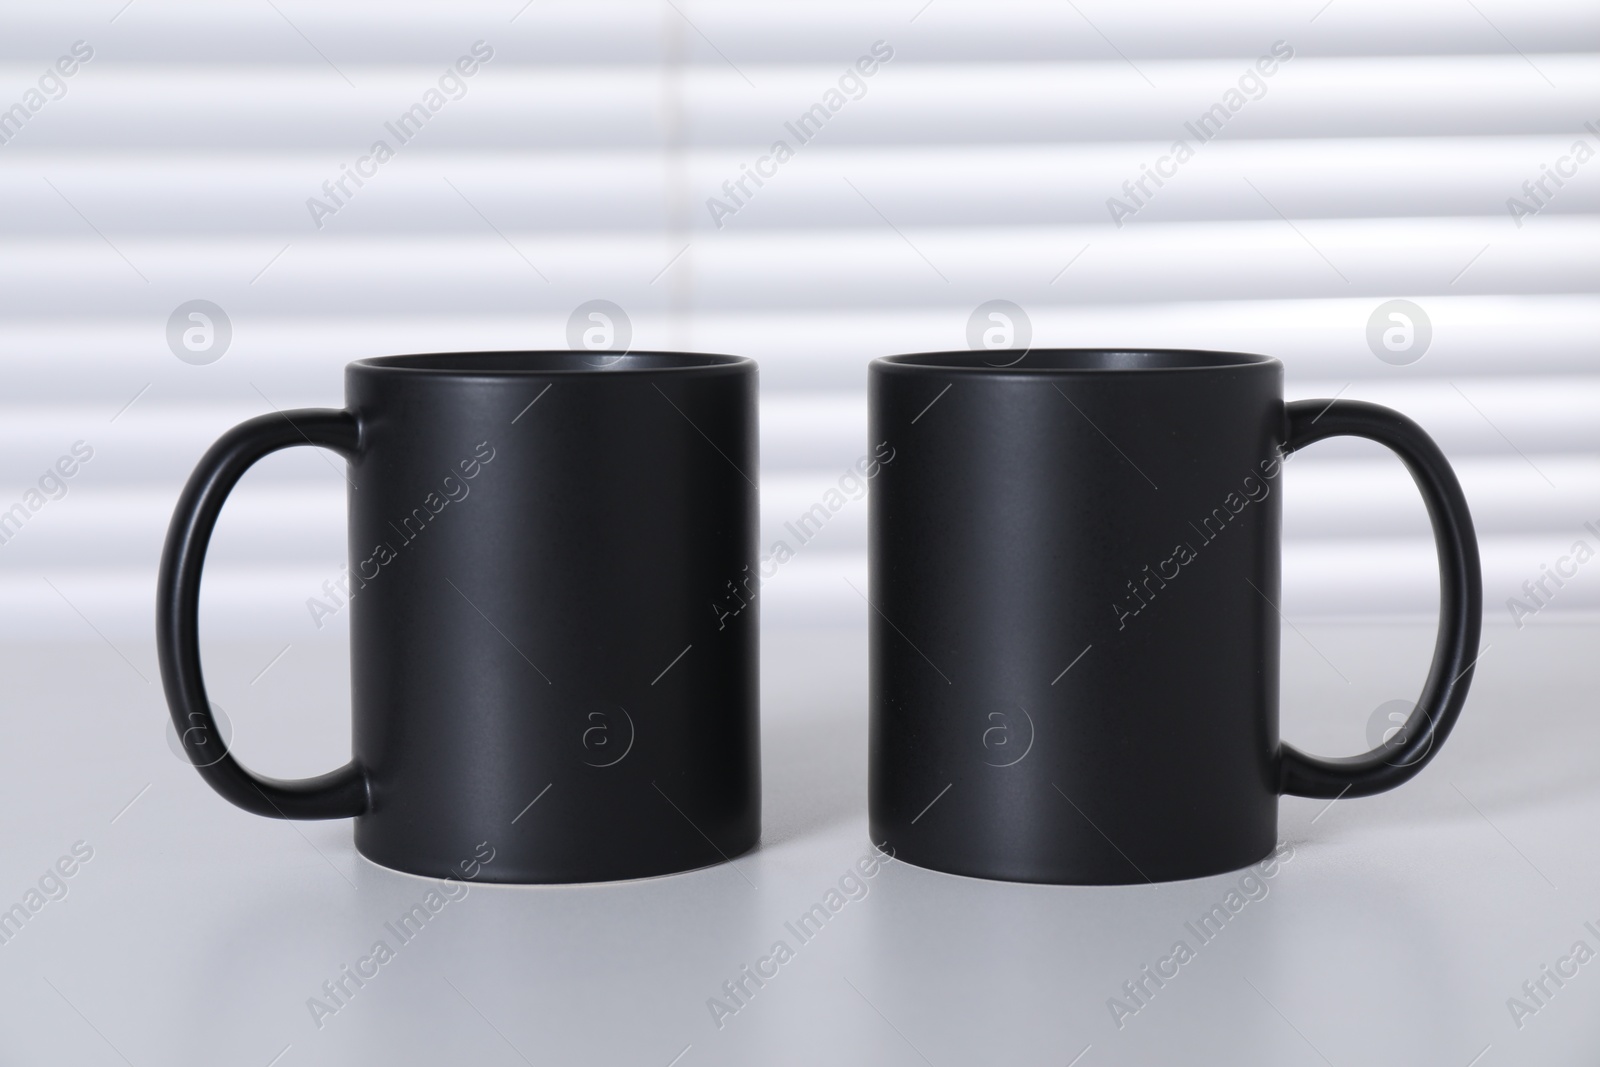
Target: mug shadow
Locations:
point(1102, 964)
point(814, 775)
point(397, 969)
point(814, 732)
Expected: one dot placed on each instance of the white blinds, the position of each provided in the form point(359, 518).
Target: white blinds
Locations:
point(976, 163)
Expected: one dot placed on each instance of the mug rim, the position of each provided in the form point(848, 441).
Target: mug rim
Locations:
point(520, 363)
point(1178, 361)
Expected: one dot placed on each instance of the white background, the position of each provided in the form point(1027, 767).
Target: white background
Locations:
point(976, 166)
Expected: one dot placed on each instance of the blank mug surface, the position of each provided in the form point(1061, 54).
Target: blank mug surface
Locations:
point(1074, 634)
point(537, 541)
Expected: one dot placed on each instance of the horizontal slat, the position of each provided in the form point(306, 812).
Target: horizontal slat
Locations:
point(854, 268)
point(109, 106)
point(298, 360)
point(1360, 498)
point(607, 31)
point(256, 194)
point(1505, 416)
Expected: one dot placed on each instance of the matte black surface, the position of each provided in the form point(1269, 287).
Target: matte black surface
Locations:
point(538, 542)
point(1074, 634)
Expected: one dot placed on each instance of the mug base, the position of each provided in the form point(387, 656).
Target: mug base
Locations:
point(1036, 874)
point(497, 872)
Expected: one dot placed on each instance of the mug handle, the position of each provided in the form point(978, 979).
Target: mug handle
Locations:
point(335, 795)
point(1460, 603)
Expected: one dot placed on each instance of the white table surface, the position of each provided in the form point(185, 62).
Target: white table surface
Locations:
point(1395, 934)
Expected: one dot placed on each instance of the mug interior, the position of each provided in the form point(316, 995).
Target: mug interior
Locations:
point(569, 362)
point(1079, 359)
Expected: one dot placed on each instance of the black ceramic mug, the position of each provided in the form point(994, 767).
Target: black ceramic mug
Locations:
point(1074, 624)
point(537, 543)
